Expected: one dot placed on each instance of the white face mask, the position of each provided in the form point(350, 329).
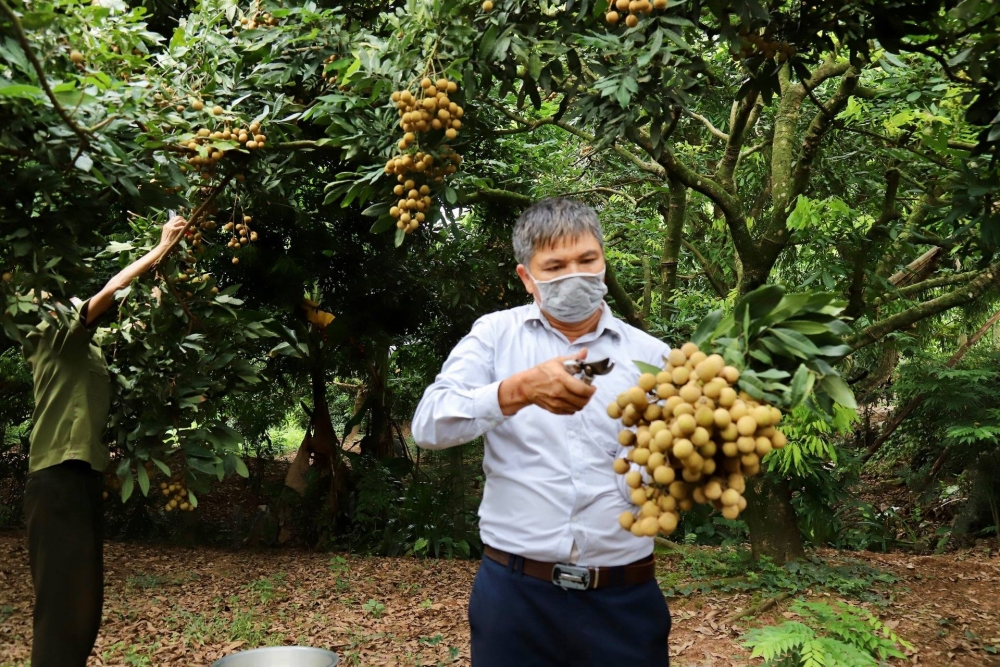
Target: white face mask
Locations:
point(571, 298)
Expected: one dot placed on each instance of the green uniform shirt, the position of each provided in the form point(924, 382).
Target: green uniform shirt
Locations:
point(72, 395)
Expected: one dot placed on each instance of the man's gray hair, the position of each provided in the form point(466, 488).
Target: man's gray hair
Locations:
point(549, 220)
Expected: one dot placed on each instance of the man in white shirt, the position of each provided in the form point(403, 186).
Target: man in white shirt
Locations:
point(561, 582)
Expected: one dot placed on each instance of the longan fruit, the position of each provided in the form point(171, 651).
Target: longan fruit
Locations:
point(656, 426)
point(736, 481)
point(762, 415)
point(727, 397)
point(683, 408)
point(197, 105)
point(713, 388)
point(678, 490)
point(775, 415)
point(671, 403)
point(667, 522)
point(680, 376)
point(649, 508)
point(655, 460)
point(667, 503)
point(708, 450)
point(626, 438)
point(699, 437)
point(640, 456)
point(710, 367)
point(653, 412)
point(664, 475)
point(742, 503)
point(746, 444)
point(731, 374)
point(687, 424)
point(721, 418)
point(690, 392)
point(713, 490)
point(685, 505)
point(696, 358)
point(677, 357)
point(217, 110)
point(451, 133)
point(649, 526)
point(647, 381)
point(731, 512)
point(699, 495)
point(623, 400)
point(622, 5)
point(705, 417)
point(746, 424)
point(638, 496)
point(621, 466)
point(694, 462)
point(666, 390)
point(778, 440)
point(625, 520)
point(642, 438)
point(614, 411)
point(689, 348)
point(730, 433)
point(663, 439)
point(236, 260)
point(637, 397)
point(763, 446)
point(750, 460)
point(730, 497)
point(683, 448)
point(660, 4)
point(633, 479)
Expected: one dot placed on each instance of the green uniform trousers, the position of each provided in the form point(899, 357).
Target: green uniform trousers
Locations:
point(64, 512)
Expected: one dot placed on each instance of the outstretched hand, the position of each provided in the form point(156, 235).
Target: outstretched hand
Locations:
point(172, 231)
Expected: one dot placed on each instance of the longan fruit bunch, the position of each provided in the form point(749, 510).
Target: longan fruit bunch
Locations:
point(245, 234)
point(426, 119)
point(632, 10)
point(696, 436)
point(332, 78)
point(177, 495)
point(755, 44)
point(263, 20)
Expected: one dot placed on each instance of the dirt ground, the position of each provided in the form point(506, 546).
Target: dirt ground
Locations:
point(174, 606)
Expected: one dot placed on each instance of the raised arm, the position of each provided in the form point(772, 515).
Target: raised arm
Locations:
point(101, 301)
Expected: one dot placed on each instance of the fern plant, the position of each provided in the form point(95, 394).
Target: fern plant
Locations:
point(841, 636)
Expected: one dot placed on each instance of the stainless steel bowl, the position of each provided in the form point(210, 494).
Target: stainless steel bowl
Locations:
point(280, 656)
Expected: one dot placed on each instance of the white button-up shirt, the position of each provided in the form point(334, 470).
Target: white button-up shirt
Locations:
point(550, 482)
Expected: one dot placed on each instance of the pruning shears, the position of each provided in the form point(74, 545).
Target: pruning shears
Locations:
point(587, 370)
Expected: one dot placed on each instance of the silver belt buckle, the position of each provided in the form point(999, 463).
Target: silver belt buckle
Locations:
point(571, 576)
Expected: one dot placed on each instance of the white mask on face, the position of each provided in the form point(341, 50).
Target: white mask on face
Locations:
point(571, 298)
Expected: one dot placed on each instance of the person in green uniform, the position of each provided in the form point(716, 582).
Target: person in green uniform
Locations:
point(62, 497)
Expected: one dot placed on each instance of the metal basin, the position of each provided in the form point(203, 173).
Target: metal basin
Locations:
point(280, 656)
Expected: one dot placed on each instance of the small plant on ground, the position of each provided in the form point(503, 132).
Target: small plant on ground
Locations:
point(841, 636)
point(373, 608)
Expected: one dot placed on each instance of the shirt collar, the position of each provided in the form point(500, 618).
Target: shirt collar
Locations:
point(608, 322)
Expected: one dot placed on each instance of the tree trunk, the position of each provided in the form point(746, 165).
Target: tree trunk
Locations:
point(623, 302)
point(770, 517)
point(378, 443)
point(647, 289)
point(674, 217)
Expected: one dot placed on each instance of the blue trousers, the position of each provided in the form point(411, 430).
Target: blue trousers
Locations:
point(520, 621)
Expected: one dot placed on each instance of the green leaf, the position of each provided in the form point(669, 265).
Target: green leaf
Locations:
point(383, 224)
point(707, 327)
point(838, 390)
point(164, 468)
point(143, 479)
point(21, 90)
point(801, 385)
point(400, 235)
point(761, 301)
point(376, 210)
point(646, 368)
point(127, 486)
point(192, 498)
point(241, 468)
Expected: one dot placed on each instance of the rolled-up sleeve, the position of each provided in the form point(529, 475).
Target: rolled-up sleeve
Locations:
point(463, 403)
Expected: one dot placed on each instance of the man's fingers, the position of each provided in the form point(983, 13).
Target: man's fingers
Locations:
point(578, 387)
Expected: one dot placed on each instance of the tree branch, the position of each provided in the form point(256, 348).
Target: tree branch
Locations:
point(707, 268)
point(40, 72)
point(958, 297)
point(713, 130)
point(930, 283)
point(877, 232)
point(734, 142)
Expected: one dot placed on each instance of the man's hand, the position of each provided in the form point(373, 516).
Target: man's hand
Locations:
point(172, 231)
point(547, 385)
